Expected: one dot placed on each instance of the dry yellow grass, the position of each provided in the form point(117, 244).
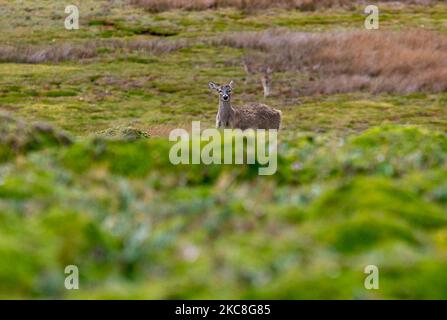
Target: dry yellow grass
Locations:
point(77, 51)
point(163, 5)
point(163, 130)
point(399, 62)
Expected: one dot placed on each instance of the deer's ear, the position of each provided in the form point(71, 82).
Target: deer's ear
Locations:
point(212, 85)
point(231, 84)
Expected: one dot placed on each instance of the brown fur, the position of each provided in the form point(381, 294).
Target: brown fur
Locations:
point(256, 116)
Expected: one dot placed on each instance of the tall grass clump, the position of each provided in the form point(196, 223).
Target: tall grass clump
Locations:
point(335, 62)
point(164, 5)
point(90, 49)
point(251, 5)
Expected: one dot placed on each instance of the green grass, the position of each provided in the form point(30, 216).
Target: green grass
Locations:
point(139, 227)
point(183, 96)
point(361, 177)
point(98, 19)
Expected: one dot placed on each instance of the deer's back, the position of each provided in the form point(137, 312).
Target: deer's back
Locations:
point(257, 116)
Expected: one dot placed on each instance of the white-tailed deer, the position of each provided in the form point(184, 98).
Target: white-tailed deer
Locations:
point(253, 116)
point(263, 70)
point(266, 80)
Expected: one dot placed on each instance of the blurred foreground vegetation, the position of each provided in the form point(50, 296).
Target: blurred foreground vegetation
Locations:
point(362, 167)
point(139, 227)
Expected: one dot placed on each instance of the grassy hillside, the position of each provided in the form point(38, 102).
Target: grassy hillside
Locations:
point(85, 177)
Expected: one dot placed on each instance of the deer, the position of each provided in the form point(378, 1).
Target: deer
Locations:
point(252, 116)
point(266, 80)
point(265, 72)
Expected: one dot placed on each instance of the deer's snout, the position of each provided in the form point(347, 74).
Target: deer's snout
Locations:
point(225, 97)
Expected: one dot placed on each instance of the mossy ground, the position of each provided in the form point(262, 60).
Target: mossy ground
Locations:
point(361, 178)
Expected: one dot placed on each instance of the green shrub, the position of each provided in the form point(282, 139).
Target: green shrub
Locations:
point(139, 227)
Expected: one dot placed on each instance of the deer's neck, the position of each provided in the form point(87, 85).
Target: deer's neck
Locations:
point(226, 111)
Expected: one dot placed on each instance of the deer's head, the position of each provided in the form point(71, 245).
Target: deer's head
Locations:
point(224, 90)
